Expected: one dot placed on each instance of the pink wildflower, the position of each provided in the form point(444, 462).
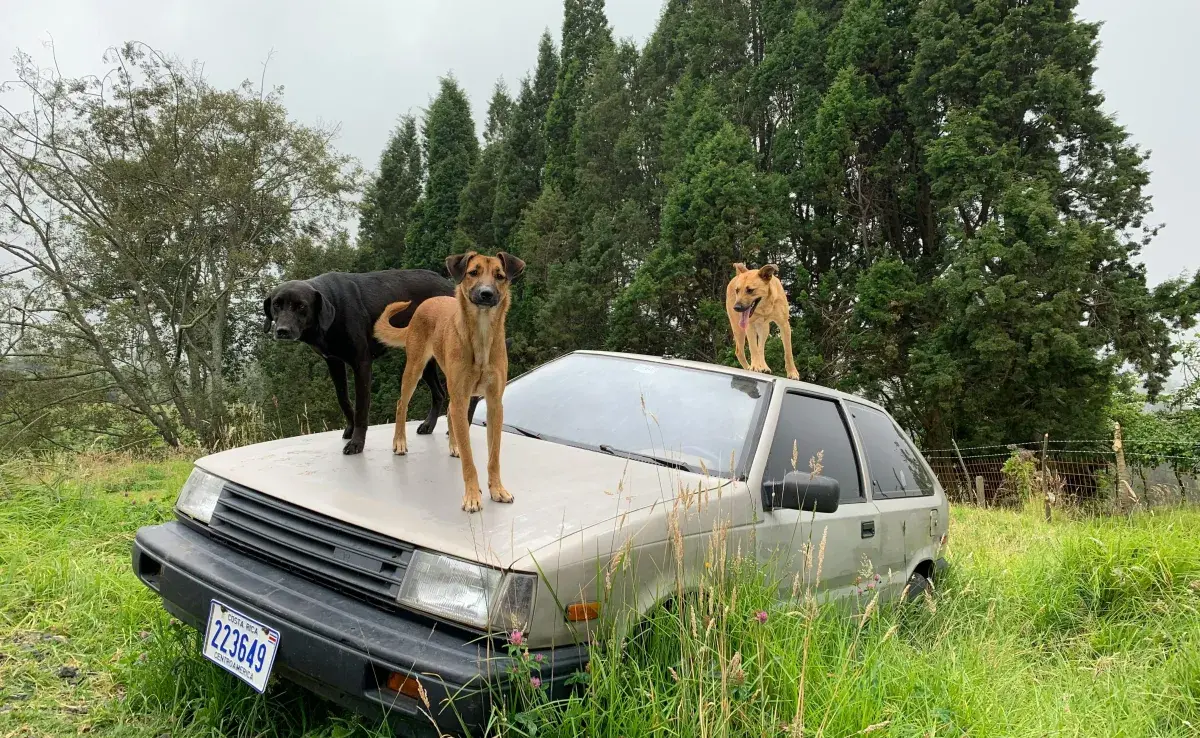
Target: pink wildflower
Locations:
point(516, 637)
point(537, 658)
point(535, 682)
point(761, 616)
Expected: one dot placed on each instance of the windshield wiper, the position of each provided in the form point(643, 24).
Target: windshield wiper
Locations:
point(523, 431)
point(515, 429)
point(633, 455)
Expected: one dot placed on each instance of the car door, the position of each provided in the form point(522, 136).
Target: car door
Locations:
point(813, 431)
point(902, 489)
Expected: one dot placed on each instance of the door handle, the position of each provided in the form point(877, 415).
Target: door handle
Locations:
point(868, 529)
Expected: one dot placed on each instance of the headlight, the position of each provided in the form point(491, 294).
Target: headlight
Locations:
point(199, 495)
point(468, 593)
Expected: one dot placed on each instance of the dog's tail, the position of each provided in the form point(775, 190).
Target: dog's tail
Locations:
point(385, 332)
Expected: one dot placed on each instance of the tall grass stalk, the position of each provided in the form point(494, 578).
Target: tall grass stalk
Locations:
point(1080, 627)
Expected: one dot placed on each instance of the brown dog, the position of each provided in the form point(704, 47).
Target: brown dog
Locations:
point(465, 334)
point(753, 300)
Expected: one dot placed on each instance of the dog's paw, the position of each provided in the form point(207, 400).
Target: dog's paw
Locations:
point(793, 375)
point(399, 446)
point(499, 494)
point(426, 427)
point(353, 446)
point(348, 433)
point(472, 502)
point(453, 451)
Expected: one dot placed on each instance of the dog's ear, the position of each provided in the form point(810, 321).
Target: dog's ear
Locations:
point(267, 311)
point(457, 265)
point(740, 268)
point(326, 312)
point(767, 271)
point(513, 267)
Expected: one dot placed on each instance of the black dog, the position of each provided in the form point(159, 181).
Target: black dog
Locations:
point(335, 313)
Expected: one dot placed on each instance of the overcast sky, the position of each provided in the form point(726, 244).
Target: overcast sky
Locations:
point(362, 64)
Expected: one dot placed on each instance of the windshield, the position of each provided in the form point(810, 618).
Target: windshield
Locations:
point(676, 415)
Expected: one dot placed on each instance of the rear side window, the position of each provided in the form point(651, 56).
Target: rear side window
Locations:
point(895, 466)
point(807, 426)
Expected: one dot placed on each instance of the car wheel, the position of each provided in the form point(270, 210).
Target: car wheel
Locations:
point(918, 588)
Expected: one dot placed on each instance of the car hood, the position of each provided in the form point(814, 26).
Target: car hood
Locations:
point(559, 490)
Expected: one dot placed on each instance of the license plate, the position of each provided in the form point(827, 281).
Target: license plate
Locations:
point(242, 646)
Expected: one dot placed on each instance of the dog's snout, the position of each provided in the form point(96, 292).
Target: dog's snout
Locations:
point(283, 334)
point(486, 295)
point(741, 308)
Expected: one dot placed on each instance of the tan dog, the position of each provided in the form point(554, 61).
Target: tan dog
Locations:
point(753, 300)
point(465, 334)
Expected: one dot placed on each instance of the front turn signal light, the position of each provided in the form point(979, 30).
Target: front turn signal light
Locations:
point(582, 611)
point(404, 684)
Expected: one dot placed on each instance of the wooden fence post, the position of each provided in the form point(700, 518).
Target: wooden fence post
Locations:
point(962, 465)
point(980, 498)
point(1124, 492)
point(1045, 478)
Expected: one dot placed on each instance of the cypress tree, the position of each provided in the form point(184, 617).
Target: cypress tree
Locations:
point(450, 150)
point(475, 218)
point(522, 155)
point(387, 203)
point(585, 37)
point(719, 210)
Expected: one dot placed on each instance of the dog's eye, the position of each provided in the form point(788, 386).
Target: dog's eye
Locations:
point(473, 273)
point(500, 277)
point(749, 290)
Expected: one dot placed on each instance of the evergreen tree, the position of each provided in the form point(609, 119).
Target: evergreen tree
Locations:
point(606, 165)
point(614, 229)
point(720, 210)
point(475, 217)
point(498, 114)
point(522, 156)
point(585, 37)
point(546, 236)
point(575, 313)
point(1033, 297)
point(388, 200)
point(450, 152)
point(956, 219)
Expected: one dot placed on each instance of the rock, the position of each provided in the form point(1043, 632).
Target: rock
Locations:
point(68, 672)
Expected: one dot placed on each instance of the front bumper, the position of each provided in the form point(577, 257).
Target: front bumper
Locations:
point(336, 646)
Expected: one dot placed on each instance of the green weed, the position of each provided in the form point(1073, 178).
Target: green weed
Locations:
point(1086, 627)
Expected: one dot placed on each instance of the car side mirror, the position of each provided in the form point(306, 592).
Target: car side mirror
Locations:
point(802, 491)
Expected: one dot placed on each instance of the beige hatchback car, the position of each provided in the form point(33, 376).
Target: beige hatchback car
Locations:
point(356, 576)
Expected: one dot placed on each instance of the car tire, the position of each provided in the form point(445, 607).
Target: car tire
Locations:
point(918, 588)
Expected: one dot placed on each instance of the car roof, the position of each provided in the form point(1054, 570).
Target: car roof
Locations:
point(783, 382)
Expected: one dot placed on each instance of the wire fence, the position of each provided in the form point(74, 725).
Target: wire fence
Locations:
point(1071, 472)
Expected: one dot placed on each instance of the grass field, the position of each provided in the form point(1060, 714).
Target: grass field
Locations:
point(1076, 628)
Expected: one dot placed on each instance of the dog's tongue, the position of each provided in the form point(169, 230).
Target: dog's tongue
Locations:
point(744, 319)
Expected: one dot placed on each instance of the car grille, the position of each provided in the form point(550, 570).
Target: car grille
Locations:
point(359, 562)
